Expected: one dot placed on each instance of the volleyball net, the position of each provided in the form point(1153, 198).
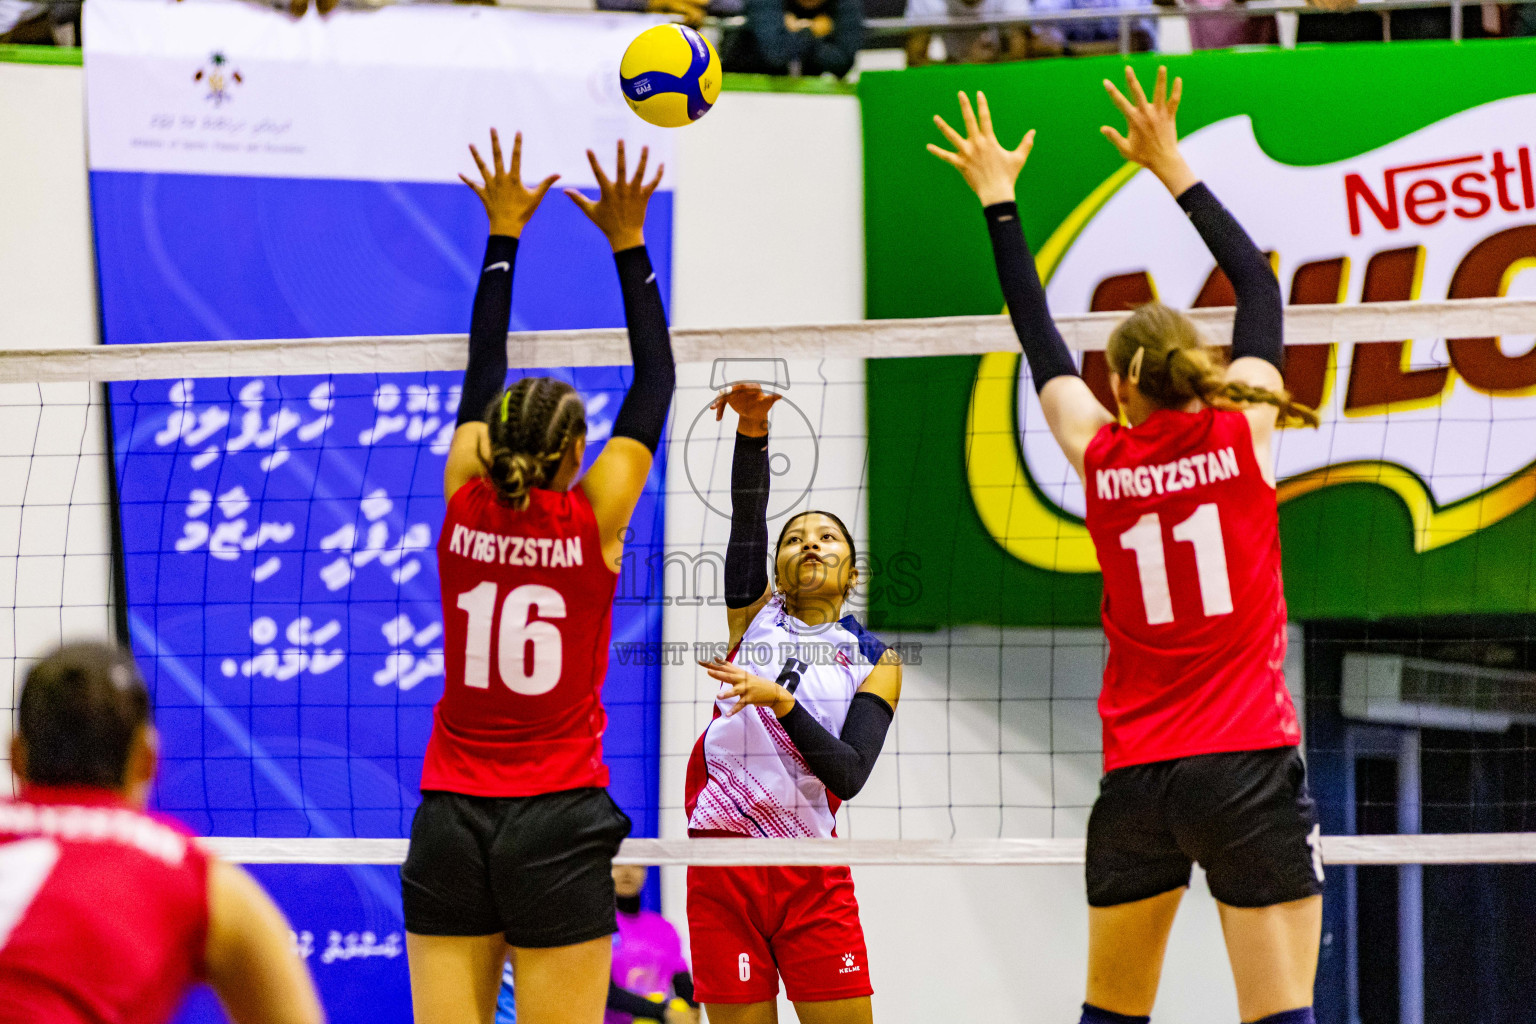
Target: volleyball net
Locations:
point(260, 518)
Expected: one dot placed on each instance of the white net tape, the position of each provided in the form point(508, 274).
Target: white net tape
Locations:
point(1486, 848)
point(874, 339)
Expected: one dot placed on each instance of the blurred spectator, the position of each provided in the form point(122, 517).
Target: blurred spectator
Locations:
point(973, 45)
point(691, 11)
point(1219, 32)
point(796, 37)
point(1096, 36)
point(1345, 25)
point(41, 24)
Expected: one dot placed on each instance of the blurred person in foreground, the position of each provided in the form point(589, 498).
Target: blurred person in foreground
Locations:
point(650, 983)
point(108, 914)
point(650, 977)
point(796, 37)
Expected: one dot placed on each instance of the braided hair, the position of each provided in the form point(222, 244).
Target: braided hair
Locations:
point(532, 425)
point(1162, 353)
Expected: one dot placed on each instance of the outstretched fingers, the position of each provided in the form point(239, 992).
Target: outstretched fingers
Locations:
point(618, 171)
point(1173, 99)
point(496, 153)
point(1160, 87)
point(943, 154)
point(515, 169)
point(597, 170)
point(1117, 140)
point(656, 181)
point(1134, 85)
point(639, 179)
point(949, 133)
point(984, 113)
point(485, 172)
point(1026, 144)
point(969, 117)
point(1118, 99)
point(473, 187)
point(543, 187)
point(587, 205)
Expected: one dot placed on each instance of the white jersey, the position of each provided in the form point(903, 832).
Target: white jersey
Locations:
point(745, 776)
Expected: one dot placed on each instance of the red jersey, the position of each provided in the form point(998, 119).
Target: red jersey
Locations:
point(1188, 537)
point(103, 910)
point(527, 608)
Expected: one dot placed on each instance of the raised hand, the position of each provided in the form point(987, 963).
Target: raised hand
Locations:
point(751, 404)
point(508, 203)
point(619, 210)
point(982, 161)
point(1151, 136)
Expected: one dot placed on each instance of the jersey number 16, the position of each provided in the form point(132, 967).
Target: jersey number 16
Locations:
point(1202, 530)
point(525, 674)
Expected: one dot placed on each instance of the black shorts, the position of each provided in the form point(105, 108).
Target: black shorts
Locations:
point(538, 869)
point(1245, 817)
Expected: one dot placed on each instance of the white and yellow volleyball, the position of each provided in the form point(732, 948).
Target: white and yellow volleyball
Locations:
point(670, 75)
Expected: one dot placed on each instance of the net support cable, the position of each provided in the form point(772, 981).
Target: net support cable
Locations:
point(869, 339)
point(1479, 848)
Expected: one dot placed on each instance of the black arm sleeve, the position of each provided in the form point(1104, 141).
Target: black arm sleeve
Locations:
point(486, 373)
point(842, 763)
point(1258, 328)
point(1043, 346)
point(622, 1000)
point(643, 415)
point(682, 984)
point(746, 568)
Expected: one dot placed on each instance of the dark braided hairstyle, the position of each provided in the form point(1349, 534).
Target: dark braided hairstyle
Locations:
point(1162, 353)
point(532, 425)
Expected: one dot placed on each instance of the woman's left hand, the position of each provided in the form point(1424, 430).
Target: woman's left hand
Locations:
point(747, 688)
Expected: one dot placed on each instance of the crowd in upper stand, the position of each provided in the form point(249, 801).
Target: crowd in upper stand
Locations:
point(823, 37)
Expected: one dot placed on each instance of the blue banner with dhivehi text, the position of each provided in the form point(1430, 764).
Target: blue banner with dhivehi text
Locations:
point(256, 176)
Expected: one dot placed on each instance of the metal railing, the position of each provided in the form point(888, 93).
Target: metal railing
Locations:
point(1126, 17)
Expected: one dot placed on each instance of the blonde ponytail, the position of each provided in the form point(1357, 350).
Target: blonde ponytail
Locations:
point(1161, 352)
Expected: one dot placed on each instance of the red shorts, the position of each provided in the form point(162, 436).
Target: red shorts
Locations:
point(750, 925)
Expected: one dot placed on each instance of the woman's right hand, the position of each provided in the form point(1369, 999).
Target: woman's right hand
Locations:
point(751, 403)
point(619, 210)
point(986, 166)
point(508, 203)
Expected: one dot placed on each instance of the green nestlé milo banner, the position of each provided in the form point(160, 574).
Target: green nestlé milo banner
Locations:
point(1370, 173)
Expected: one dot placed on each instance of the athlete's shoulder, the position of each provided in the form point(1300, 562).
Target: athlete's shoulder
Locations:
point(871, 647)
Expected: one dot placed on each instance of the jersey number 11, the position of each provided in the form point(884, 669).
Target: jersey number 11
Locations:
point(1203, 531)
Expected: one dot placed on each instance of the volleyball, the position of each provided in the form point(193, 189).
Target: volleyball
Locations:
point(670, 75)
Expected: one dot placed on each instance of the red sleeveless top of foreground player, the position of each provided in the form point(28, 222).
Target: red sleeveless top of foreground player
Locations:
point(103, 910)
point(527, 609)
point(1188, 537)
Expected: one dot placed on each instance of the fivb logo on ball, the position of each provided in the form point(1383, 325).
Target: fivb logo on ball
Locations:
point(1446, 212)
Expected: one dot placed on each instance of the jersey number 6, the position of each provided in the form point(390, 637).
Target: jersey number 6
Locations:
point(523, 673)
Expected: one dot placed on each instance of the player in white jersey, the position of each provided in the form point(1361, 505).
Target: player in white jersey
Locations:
point(806, 699)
